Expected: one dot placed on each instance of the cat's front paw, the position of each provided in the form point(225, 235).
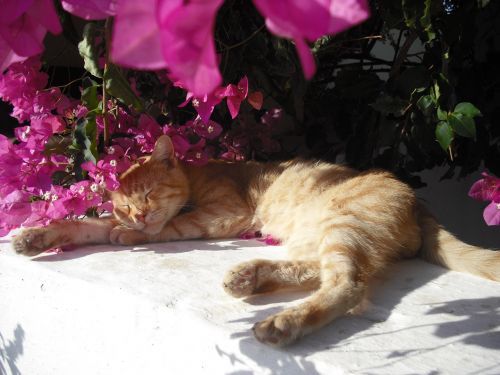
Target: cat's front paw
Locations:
point(121, 235)
point(241, 281)
point(33, 241)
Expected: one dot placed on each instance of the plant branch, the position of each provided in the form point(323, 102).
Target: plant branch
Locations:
point(239, 44)
point(402, 53)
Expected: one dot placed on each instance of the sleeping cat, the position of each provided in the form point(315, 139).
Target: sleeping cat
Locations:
point(341, 228)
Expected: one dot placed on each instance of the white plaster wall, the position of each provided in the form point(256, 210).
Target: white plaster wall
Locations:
point(459, 213)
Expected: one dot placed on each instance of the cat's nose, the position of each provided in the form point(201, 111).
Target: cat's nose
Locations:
point(140, 217)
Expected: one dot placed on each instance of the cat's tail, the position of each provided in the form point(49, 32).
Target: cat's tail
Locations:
point(442, 248)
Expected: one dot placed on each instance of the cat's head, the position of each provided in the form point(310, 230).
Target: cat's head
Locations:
point(152, 192)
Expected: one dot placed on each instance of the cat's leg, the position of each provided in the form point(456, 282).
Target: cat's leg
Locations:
point(33, 241)
point(263, 276)
point(213, 220)
point(341, 290)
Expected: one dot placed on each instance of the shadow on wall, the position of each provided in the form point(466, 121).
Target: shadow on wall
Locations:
point(448, 200)
point(10, 351)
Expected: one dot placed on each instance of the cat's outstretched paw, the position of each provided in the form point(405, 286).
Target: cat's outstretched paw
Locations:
point(241, 281)
point(122, 235)
point(278, 330)
point(33, 241)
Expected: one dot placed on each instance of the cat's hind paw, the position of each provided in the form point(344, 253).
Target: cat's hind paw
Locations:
point(277, 330)
point(32, 241)
point(122, 235)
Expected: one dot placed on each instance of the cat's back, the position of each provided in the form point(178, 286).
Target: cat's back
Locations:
point(300, 181)
point(307, 194)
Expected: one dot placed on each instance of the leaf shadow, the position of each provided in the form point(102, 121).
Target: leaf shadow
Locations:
point(11, 350)
point(480, 316)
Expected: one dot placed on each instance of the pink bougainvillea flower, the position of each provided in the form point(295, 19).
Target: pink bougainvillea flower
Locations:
point(146, 133)
point(136, 35)
point(267, 239)
point(173, 34)
point(308, 20)
point(189, 142)
point(15, 208)
point(103, 173)
point(91, 9)
point(270, 240)
point(8, 56)
point(82, 196)
point(23, 25)
point(491, 214)
point(187, 42)
point(23, 86)
point(40, 131)
point(209, 130)
point(486, 189)
point(235, 94)
point(204, 105)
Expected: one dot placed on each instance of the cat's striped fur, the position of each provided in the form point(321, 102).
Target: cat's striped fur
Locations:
point(341, 228)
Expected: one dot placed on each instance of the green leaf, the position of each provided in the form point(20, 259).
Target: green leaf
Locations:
point(467, 109)
point(90, 98)
point(444, 134)
point(463, 125)
point(418, 15)
point(425, 20)
point(411, 12)
point(85, 139)
point(442, 115)
point(435, 93)
point(118, 86)
point(88, 48)
point(425, 103)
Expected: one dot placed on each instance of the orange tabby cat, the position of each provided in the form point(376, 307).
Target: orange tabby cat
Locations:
point(341, 228)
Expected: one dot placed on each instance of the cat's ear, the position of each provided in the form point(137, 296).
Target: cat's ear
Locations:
point(164, 150)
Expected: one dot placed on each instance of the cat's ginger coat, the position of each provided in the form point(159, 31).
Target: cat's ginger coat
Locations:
point(341, 228)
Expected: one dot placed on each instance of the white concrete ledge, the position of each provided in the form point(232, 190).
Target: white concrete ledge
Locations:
point(160, 309)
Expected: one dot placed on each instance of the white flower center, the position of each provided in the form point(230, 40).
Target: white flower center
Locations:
point(195, 102)
point(113, 163)
point(54, 197)
point(111, 150)
point(210, 129)
point(94, 187)
point(198, 155)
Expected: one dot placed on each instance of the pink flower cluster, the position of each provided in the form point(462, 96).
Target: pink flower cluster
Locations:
point(28, 196)
point(178, 35)
point(23, 25)
point(173, 34)
point(23, 86)
point(488, 189)
point(235, 95)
